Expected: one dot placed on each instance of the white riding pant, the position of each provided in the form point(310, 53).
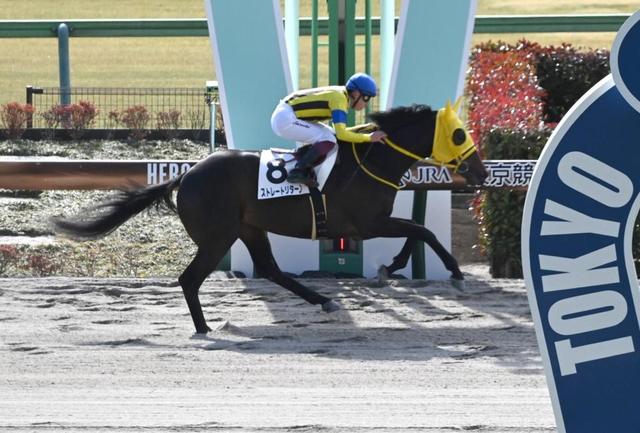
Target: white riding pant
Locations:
point(286, 125)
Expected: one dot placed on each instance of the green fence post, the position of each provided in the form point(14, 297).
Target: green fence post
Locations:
point(367, 43)
point(417, 254)
point(314, 43)
point(349, 40)
point(342, 64)
point(334, 52)
point(349, 44)
point(342, 40)
point(368, 31)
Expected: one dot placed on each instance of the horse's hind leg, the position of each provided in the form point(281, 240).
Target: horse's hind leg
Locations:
point(205, 261)
point(399, 261)
point(259, 247)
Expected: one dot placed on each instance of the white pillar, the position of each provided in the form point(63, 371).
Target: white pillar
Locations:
point(431, 49)
point(387, 35)
point(292, 36)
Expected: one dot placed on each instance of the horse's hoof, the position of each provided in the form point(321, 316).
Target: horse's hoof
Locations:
point(330, 306)
point(458, 284)
point(203, 331)
point(200, 336)
point(383, 274)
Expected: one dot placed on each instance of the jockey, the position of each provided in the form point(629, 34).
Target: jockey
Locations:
point(298, 116)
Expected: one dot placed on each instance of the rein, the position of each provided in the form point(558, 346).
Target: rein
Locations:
point(454, 167)
point(402, 150)
point(366, 170)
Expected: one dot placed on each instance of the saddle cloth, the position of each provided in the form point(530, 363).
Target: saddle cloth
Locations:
point(274, 166)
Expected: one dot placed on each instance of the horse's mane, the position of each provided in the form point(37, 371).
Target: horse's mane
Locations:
point(400, 116)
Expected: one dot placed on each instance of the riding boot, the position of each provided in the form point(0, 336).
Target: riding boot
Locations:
point(303, 171)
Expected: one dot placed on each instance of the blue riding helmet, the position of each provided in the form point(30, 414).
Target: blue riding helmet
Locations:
point(362, 83)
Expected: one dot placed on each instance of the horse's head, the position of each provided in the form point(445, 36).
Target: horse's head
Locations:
point(439, 136)
point(454, 148)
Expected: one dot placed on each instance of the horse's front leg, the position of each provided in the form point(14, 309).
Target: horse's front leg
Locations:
point(391, 227)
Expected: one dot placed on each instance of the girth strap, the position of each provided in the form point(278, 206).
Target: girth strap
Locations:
point(318, 214)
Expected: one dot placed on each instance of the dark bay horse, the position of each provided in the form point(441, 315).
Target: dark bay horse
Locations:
point(217, 201)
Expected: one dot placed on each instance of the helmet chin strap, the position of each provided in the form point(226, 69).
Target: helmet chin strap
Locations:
point(356, 100)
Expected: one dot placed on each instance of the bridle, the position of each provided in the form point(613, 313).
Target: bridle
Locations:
point(459, 164)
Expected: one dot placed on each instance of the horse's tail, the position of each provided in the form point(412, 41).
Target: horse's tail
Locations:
point(103, 218)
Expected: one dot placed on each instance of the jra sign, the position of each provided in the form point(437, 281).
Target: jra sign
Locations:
point(577, 233)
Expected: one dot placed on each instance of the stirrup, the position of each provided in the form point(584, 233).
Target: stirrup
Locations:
point(303, 176)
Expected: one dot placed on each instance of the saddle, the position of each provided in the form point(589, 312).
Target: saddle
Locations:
point(276, 163)
point(274, 166)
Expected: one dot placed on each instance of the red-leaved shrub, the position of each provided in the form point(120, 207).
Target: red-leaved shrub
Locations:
point(78, 117)
point(75, 118)
point(42, 266)
point(8, 257)
point(135, 118)
point(503, 90)
point(168, 122)
point(14, 117)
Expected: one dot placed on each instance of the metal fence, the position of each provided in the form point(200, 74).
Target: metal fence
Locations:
point(193, 104)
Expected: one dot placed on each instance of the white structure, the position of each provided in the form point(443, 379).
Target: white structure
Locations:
point(431, 49)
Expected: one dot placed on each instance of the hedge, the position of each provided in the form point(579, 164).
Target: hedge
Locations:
point(517, 94)
point(499, 212)
point(566, 74)
point(502, 90)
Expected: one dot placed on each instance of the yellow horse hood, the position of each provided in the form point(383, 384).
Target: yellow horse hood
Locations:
point(451, 141)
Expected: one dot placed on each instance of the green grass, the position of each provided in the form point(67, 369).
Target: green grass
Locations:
point(187, 62)
point(552, 7)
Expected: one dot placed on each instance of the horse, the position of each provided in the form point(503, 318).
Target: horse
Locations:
point(217, 201)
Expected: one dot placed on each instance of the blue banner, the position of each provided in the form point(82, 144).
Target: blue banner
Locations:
point(577, 233)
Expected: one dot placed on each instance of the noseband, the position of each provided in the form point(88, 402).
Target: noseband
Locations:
point(458, 165)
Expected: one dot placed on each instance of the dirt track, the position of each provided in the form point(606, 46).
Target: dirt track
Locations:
point(118, 355)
